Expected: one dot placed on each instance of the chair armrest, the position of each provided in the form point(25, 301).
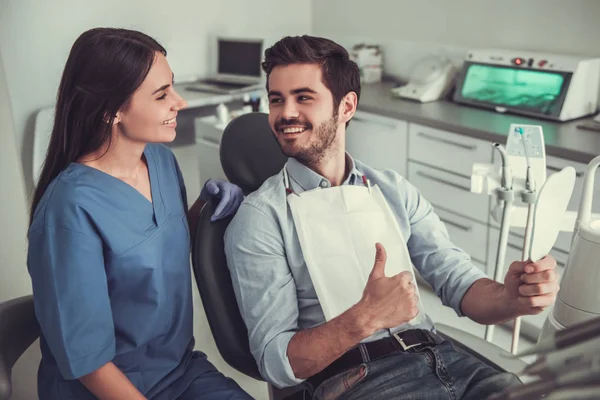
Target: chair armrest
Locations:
point(487, 352)
point(18, 330)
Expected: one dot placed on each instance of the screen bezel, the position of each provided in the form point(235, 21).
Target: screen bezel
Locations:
point(237, 77)
point(554, 113)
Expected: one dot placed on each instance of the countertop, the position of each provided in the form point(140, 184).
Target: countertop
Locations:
point(562, 139)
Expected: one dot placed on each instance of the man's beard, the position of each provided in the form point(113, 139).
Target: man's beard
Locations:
point(323, 137)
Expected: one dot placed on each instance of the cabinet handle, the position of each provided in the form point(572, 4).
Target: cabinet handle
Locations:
point(457, 225)
point(443, 181)
point(210, 140)
point(520, 250)
point(556, 169)
point(514, 247)
point(470, 147)
point(365, 121)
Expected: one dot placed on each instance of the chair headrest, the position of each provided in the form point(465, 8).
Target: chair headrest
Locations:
point(249, 152)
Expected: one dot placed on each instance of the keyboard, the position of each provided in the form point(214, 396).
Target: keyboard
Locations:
point(215, 86)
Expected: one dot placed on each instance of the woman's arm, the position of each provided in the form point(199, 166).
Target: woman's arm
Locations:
point(109, 383)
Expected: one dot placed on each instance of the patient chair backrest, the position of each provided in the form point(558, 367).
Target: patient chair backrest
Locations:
point(249, 155)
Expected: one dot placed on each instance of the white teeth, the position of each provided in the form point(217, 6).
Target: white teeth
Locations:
point(169, 121)
point(293, 130)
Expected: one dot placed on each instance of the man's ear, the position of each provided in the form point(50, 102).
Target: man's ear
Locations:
point(347, 107)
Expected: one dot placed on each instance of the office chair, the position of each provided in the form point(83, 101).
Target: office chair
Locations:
point(18, 330)
point(249, 155)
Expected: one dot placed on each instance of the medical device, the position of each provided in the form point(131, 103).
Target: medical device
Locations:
point(566, 337)
point(569, 368)
point(523, 172)
point(579, 297)
point(550, 86)
point(430, 79)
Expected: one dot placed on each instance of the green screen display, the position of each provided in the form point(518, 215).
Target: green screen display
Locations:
point(519, 88)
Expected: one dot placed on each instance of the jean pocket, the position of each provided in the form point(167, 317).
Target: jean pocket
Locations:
point(341, 384)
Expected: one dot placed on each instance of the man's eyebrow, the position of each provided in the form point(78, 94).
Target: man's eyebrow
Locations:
point(294, 91)
point(303, 90)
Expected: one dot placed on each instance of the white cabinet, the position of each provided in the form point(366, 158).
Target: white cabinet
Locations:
point(447, 150)
point(208, 138)
point(378, 141)
point(440, 167)
point(449, 191)
point(210, 161)
point(468, 235)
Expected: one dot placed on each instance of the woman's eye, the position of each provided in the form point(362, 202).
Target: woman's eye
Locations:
point(163, 96)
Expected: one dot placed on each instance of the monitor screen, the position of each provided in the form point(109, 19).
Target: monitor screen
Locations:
point(530, 90)
point(238, 57)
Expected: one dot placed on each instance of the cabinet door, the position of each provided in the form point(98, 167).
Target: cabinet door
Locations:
point(378, 142)
point(187, 158)
point(468, 235)
point(446, 150)
point(449, 191)
point(210, 161)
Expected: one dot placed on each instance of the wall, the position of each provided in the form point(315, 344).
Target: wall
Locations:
point(409, 30)
point(36, 36)
point(14, 280)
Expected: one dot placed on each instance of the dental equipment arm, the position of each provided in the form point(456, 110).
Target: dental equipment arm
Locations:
point(506, 195)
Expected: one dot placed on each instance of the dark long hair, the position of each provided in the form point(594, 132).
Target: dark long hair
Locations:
point(104, 69)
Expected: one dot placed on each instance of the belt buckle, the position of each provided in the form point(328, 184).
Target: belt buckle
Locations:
point(404, 346)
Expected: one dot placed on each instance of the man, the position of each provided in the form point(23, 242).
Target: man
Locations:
point(374, 349)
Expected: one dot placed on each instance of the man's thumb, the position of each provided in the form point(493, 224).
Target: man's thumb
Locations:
point(380, 258)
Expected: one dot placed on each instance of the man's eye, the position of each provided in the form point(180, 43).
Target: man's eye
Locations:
point(303, 98)
point(275, 100)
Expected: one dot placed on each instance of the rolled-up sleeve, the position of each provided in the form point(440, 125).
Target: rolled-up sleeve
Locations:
point(447, 268)
point(265, 290)
point(72, 305)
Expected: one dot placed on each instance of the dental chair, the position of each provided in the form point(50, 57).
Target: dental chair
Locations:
point(249, 155)
point(18, 330)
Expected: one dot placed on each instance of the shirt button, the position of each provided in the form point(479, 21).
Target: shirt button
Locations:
point(324, 184)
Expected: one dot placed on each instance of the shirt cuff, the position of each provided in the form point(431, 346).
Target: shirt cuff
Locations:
point(275, 365)
point(75, 369)
point(466, 282)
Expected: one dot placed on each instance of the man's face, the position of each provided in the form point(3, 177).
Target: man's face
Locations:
point(301, 113)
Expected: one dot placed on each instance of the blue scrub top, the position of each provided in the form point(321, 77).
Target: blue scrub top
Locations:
point(111, 281)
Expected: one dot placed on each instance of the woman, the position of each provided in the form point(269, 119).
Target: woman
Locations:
point(109, 239)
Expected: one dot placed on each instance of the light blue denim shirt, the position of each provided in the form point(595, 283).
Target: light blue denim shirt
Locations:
point(271, 280)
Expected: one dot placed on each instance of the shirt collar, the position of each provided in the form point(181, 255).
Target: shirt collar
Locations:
point(309, 179)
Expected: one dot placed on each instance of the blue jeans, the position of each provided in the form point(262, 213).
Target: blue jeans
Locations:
point(213, 385)
point(436, 372)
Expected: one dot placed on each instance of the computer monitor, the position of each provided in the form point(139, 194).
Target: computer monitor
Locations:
point(239, 59)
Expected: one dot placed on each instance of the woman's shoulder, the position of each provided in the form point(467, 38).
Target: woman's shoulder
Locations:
point(66, 199)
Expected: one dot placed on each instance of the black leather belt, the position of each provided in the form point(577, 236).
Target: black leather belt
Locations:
point(410, 340)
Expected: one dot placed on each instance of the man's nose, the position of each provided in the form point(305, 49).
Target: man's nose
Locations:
point(290, 111)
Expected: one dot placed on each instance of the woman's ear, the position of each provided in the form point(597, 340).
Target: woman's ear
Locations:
point(116, 119)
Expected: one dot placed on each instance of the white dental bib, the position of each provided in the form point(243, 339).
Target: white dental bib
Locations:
point(337, 228)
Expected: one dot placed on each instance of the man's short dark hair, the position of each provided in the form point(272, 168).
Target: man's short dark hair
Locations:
point(340, 74)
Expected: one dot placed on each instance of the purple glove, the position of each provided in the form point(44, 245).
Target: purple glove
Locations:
point(230, 195)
